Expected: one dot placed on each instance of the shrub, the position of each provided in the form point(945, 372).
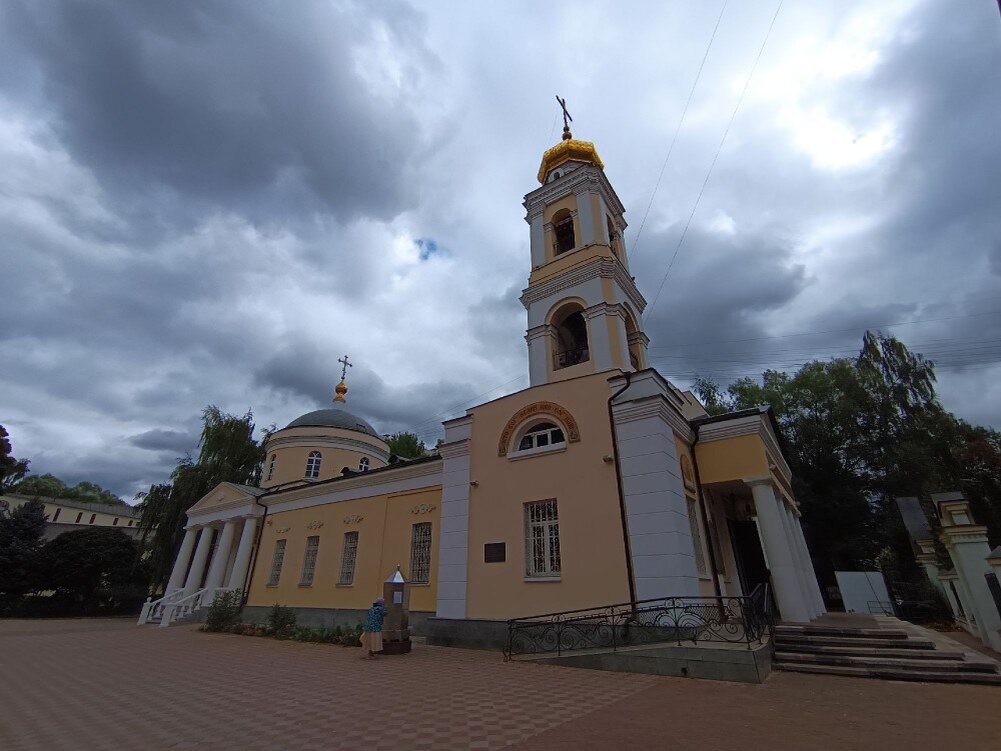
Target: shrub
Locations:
point(351, 640)
point(224, 611)
point(280, 620)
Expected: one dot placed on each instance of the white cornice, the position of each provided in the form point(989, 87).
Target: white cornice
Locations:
point(585, 179)
point(364, 485)
point(627, 410)
point(307, 441)
point(753, 425)
point(596, 268)
point(454, 449)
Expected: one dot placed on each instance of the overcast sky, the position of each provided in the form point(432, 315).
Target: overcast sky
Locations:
point(210, 202)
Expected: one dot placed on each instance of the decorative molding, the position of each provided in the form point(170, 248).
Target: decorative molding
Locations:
point(282, 530)
point(314, 525)
point(325, 441)
point(583, 179)
point(423, 508)
point(653, 406)
point(538, 408)
point(353, 519)
point(594, 268)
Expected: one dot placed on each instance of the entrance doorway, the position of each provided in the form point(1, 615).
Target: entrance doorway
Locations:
point(751, 566)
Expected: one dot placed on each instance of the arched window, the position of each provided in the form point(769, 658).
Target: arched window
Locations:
point(271, 466)
point(313, 465)
point(541, 435)
point(363, 464)
point(571, 339)
point(563, 232)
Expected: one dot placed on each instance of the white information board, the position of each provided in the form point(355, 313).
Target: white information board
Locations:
point(864, 592)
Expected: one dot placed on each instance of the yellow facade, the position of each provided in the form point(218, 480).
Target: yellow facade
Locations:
point(384, 524)
point(81, 514)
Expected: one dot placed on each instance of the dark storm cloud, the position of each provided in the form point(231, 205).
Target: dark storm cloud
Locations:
point(230, 104)
point(162, 439)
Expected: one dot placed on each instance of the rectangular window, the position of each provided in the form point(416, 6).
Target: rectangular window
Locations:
point(276, 563)
point(114, 523)
point(92, 518)
point(79, 517)
point(693, 525)
point(420, 554)
point(56, 515)
point(309, 561)
point(542, 539)
point(348, 556)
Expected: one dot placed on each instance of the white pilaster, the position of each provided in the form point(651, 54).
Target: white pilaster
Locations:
point(221, 556)
point(198, 564)
point(538, 239)
point(657, 526)
point(539, 349)
point(782, 565)
point(181, 562)
point(453, 546)
point(585, 217)
point(598, 342)
point(239, 576)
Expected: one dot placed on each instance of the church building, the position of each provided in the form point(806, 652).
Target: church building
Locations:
point(600, 483)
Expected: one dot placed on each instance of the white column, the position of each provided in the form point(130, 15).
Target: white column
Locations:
point(539, 353)
point(797, 558)
point(599, 346)
point(198, 564)
point(221, 556)
point(818, 596)
point(181, 562)
point(807, 576)
point(781, 563)
point(239, 576)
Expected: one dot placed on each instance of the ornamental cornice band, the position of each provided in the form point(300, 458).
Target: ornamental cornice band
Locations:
point(353, 519)
point(314, 525)
point(422, 508)
point(538, 408)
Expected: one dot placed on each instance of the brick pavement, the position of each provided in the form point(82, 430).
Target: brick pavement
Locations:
point(87, 684)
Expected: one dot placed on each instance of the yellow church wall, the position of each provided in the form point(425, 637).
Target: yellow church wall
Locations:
point(384, 524)
point(567, 261)
point(290, 463)
point(732, 459)
point(584, 485)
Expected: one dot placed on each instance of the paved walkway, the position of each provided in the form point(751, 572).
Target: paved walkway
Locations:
point(89, 684)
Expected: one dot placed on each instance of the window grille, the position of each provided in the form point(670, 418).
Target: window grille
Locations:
point(363, 464)
point(542, 539)
point(348, 556)
point(693, 524)
point(309, 561)
point(313, 465)
point(276, 563)
point(271, 466)
point(420, 554)
point(546, 434)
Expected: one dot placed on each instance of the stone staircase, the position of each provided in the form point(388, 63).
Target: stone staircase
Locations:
point(894, 650)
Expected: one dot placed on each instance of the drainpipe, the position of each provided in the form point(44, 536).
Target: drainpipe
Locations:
point(622, 495)
point(713, 564)
point(257, 549)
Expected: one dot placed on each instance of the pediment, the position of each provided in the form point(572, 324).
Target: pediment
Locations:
point(222, 495)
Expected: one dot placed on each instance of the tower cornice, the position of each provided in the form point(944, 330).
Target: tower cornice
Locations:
point(576, 181)
point(597, 268)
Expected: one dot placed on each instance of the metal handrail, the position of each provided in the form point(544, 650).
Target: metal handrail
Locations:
point(740, 619)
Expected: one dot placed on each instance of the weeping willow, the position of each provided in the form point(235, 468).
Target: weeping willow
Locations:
point(227, 453)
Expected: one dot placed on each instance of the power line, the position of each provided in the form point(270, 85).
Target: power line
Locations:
point(832, 331)
point(712, 165)
point(674, 138)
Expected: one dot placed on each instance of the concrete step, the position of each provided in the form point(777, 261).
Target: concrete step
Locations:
point(851, 641)
point(992, 679)
point(808, 629)
point(877, 663)
point(929, 653)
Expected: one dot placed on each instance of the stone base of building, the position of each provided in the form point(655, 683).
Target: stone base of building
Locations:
point(708, 661)
point(466, 633)
point(346, 618)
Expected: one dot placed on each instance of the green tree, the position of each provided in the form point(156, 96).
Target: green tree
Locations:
point(406, 445)
point(50, 486)
point(21, 533)
point(11, 469)
point(227, 453)
point(92, 569)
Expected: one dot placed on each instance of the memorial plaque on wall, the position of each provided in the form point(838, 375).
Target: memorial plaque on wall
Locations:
point(495, 552)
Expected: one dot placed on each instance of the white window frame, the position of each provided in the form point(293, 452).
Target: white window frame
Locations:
point(277, 560)
point(313, 465)
point(543, 559)
point(349, 557)
point(271, 466)
point(420, 553)
point(309, 561)
point(537, 434)
point(363, 464)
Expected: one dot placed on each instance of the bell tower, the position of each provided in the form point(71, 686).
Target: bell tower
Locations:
point(583, 306)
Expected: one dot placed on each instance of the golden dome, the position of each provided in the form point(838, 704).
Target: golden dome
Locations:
point(340, 390)
point(569, 149)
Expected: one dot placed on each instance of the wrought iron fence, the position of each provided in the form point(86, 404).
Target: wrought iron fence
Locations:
point(734, 620)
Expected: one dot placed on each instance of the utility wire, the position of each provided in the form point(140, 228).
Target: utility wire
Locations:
point(674, 138)
point(712, 165)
